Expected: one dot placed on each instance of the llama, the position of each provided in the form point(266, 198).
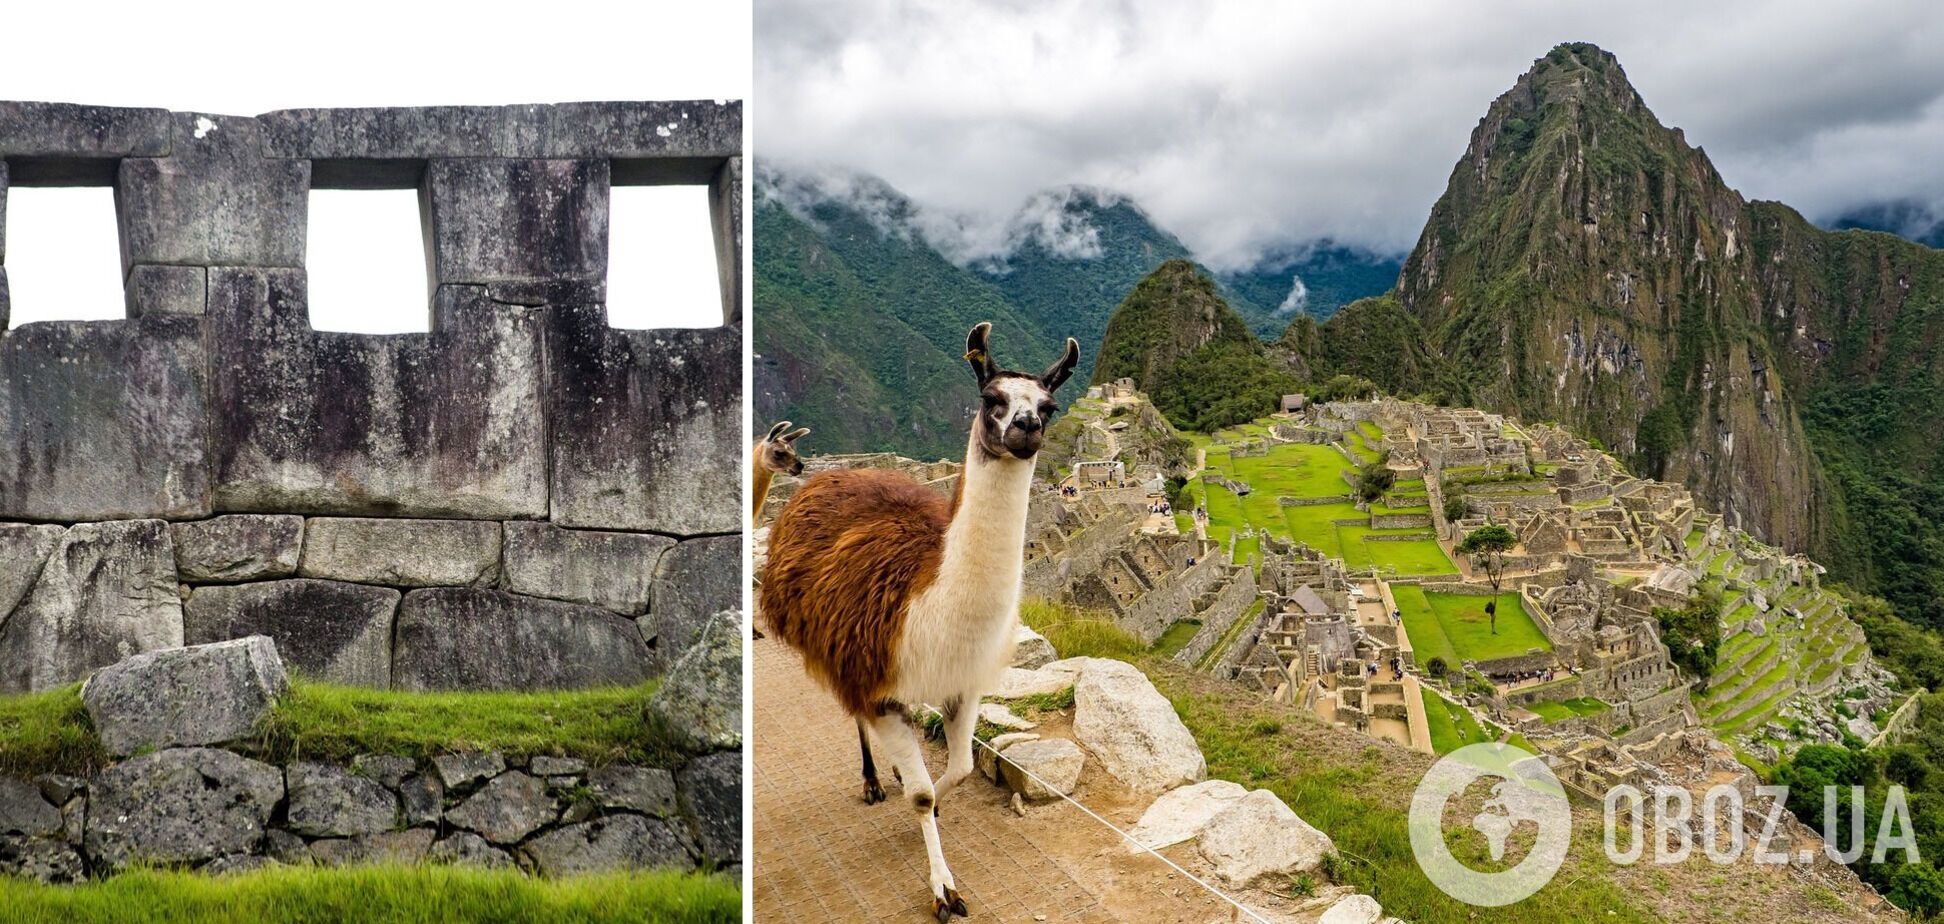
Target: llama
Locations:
point(774, 453)
point(895, 595)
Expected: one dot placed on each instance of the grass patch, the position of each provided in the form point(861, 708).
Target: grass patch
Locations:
point(376, 894)
point(1562, 709)
point(1455, 626)
point(48, 733)
point(1076, 633)
point(324, 722)
point(1451, 726)
point(1176, 637)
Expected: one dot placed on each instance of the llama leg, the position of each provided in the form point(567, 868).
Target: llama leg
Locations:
point(960, 721)
point(873, 793)
point(900, 745)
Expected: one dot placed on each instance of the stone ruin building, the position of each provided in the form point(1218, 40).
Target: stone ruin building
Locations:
point(524, 497)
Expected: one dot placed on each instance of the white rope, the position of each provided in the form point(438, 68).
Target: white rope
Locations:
point(1245, 909)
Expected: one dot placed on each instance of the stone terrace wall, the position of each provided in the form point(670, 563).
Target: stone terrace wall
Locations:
point(524, 496)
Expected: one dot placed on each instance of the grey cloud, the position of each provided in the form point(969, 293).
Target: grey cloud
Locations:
point(1246, 129)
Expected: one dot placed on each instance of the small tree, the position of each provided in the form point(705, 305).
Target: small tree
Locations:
point(1488, 544)
point(1454, 508)
point(1374, 479)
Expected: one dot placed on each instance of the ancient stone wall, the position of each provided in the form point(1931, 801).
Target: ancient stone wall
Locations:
point(523, 496)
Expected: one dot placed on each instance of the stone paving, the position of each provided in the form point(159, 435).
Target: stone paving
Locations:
point(821, 854)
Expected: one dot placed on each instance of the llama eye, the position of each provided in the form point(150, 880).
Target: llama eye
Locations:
point(992, 402)
point(1049, 409)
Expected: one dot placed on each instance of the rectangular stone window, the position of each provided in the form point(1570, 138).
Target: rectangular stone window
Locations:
point(62, 252)
point(662, 269)
point(365, 259)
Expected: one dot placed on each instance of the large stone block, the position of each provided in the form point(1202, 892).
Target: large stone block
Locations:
point(328, 801)
point(63, 131)
point(607, 569)
point(666, 130)
point(647, 426)
point(6, 296)
point(166, 290)
point(104, 420)
point(471, 639)
point(726, 221)
point(202, 694)
point(616, 842)
point(700, 702)
point(401, 553)
point(24, 548)
point(695, 580)
point(107, 591)
point(240, 547)
point(446, 424)
point(324, 630)
point(181, 805)
point(215, 200)
point(712, 789)
point(1132, 729)
point(518, 219)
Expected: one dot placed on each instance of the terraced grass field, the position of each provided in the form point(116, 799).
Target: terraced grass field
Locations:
point(1452, 727)
point(1454, 626)
point(1558, 710)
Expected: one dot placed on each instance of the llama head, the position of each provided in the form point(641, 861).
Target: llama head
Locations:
point(777, 451)
point(1014, 407)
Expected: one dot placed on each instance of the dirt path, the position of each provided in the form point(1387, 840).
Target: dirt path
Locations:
point(821, 854)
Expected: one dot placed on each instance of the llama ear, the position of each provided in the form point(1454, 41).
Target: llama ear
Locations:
point(978, 352)
point(777, 430)
point(798, 434)
point(1056, 374)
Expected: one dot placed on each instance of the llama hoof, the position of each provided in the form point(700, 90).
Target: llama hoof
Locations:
point(873, 793)
point(756, 633)
point(951, 904)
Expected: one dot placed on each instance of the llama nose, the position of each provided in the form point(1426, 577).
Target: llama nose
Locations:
point(1027, 422)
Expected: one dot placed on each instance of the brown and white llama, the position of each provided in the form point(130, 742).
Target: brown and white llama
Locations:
point(774, 453)
point(896, 595)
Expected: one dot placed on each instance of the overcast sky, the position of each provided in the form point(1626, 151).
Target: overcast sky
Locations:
point(1245, 126)
point(366, 256)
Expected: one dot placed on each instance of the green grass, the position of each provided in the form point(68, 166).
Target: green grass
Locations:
point(1451, 726)
point(322, 721)
point(1454, 626)
point(388, 894)
point(1176, 637)
point(1077, 633)
point(1561, 709)
point(48, 733)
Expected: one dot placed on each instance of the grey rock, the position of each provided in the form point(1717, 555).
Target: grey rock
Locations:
point(389, 770)
point(606, 569)
point(712, 790)
point(697, 579)
point(42, 859)
point(468, 849)
point(1042, 770)
point(446, 424)
point(58, 788)
point(497, 219)
point(1031, 650)
point(647, 790)
point(616, 842)
point(402, 553)
point(214, 201)
point(328, 801)
point(163, 290)
point(24, 811)
point(507, 809)
point(6, 296)
point(699, 703)
point(1257, 835)
point(644, 423)
point(203, 694)
point(181, 805)
point(70, 132)
point(1132, 729)
point(423, 797)
point(238, 547)
point(109, 420)
point(74, 819)
point(390, 847)
point(235, 864)
point(107, 591)
point(325, 630)
point(285, 847)
point(24, 548)
point(987, 763)
point(548, 766)
point(457, 771)
point(468, 639)
point(696, 130)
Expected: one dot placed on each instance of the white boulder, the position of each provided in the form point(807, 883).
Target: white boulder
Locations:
point(998, 715)
point(1031, 649)
point(1042, 770)
point(1258, 836)
point(1355, 909)
point(1181, 813)
point(1131, 728)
